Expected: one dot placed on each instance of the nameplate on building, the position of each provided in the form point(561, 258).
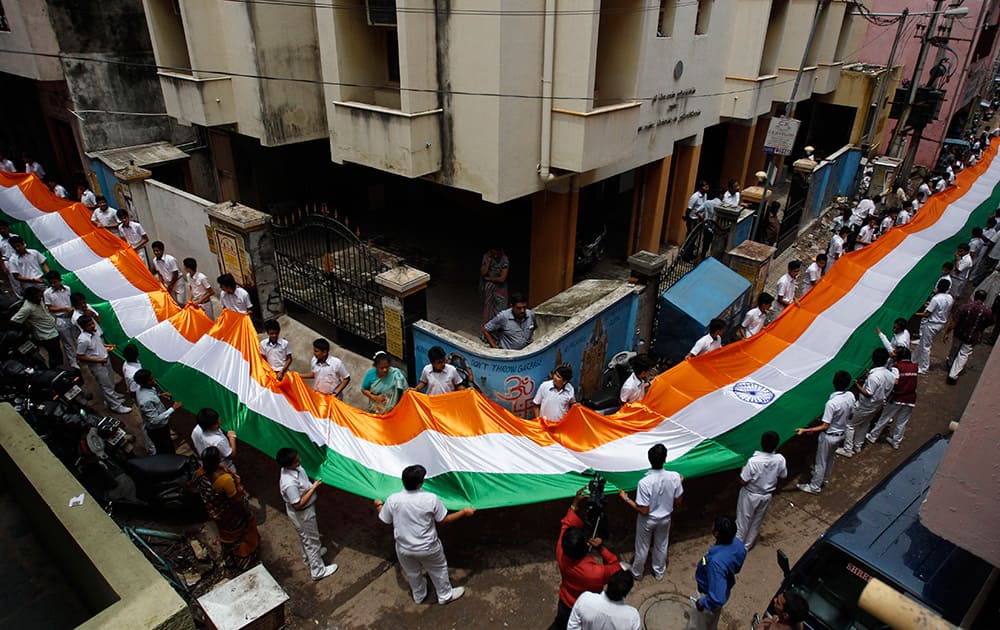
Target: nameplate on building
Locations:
point(392, 310)
point(780, 136)
point(233, 257)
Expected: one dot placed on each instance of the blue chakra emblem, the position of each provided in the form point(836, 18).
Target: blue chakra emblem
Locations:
point(754, 393)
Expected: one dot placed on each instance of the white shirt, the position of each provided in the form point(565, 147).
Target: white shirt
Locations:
point(977, 249)
point(275, 354)
point(202, 440)
point(447, 380)
point(107, 217)
point(133, 233)
point(554, 403)
point(59, 191)
point(128, 373)
point(91, 345)
point(861, 211)
point(88, 198)
point(77, 314)
point(837, 411)
point(294, 483)
point(732, 199)
point(36, 168)
point(762, 472)
point(657, 490)
point(328, 375)
point(167, 267)
point(923, 193)
point(705, 344)
point(879, 384)
point(633, 389)
point(8, 166)
point(6, 249)
point(962, 267)
point(58, 299)
point(886, 224)
point(941, 184)
point(238, 300)
point(836, 249)
point(413, 515)
point(939, 308)
point(867, 234)
point(594, 611)
point(903, 217)
point(198, 285)
point(29, 265)
point(786, 290)
point(813, 274)
point(898, 339)
point(695, 202)
point(753, 321)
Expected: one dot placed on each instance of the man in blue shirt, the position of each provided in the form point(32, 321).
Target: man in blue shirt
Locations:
point(716, 575)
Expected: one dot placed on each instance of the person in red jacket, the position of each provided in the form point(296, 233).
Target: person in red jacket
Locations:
point(580, 571)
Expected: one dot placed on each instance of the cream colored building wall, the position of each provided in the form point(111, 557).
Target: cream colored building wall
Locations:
point(30, 31)
point(750, 22)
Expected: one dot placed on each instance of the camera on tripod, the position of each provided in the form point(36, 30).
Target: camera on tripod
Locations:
point(594, 515)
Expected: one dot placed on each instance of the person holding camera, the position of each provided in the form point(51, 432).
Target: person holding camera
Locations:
point(580, 571)
point(658, 493)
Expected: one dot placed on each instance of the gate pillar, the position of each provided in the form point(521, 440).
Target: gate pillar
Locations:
point(404, 302)
point(241, 238)
point(646, 268)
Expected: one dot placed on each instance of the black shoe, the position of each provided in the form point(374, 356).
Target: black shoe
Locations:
point(950, 381)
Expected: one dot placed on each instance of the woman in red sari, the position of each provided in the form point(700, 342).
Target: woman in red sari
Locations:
point(228, 504)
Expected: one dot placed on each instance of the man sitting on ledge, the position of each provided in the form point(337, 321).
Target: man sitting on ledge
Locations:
point(512, 328)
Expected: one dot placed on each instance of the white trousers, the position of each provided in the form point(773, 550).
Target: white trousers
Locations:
point(704, 619)
point(857, 425)
point(436, 565)
point(893, 412)
point(823, 468)
point(308, 528)
point(651, 530)
point(961, 357)
point(750, 510)
point(102, 374)
point(928, 332)
point(68, 333)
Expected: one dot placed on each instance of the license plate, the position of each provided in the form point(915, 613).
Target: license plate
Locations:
point(117, 437)
point(72, 392)
point(26, 348)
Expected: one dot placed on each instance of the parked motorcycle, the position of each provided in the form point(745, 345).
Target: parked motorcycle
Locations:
point(606, 400)
point(590, 252)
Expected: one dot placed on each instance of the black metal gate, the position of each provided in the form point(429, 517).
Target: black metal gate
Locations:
point(325, 269)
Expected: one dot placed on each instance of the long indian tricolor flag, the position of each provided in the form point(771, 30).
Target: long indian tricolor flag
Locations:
point(709, 411)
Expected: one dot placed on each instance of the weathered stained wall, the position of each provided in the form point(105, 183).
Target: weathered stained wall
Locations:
point(114, 72)
point(964, 502)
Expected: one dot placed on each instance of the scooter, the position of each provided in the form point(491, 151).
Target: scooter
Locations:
point(589, 253)
point(606, 400)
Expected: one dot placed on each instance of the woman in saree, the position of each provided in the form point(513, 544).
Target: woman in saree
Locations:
point(493, 283)
point(383, 384)
point(227, 503)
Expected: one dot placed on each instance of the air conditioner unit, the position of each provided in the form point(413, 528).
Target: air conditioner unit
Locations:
point(381, 12)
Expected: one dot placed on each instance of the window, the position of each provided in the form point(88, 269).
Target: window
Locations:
point(381, 12)
point(4, 24)
point(392, 55)
point(665, 21)
point(704, 16)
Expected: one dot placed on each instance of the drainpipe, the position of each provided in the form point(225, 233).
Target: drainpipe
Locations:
point(548, 59)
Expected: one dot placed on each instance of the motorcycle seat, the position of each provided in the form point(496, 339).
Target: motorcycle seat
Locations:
point(157, 466)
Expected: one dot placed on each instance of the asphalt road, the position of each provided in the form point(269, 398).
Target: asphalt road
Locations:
point(505, 557)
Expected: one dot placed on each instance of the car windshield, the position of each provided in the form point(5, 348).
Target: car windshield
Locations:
point(831, 584)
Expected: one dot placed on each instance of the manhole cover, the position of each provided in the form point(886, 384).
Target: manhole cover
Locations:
point(666, 611)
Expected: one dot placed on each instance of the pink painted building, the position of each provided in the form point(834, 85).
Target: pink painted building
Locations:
point(973, 48)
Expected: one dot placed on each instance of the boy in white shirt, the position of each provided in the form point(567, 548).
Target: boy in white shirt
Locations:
point(556, 395)
point(299, 495)
point(439, 377)
point(637, 384)
point(129, 368)
point(234, 298)
point(208, 432)
point(104, 216)
point(836, 413)
point(900, 336)
point(200, 291)
point(874, 392)
point(836, 249)
point(57, 299)
point(814, 272)
point(275, 350)
point(934, 317)
point(711, 341)
point(658, 493)
point(169, 272)
point(329, 374)
point(133, 233)
point(754, 320)
point(759, 479)
point(786, 287)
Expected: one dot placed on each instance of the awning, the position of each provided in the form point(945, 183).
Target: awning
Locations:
point(956, 142)
point(145, 155)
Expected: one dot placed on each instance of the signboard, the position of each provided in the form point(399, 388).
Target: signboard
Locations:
point(781, 136)
point(234, 258)
point(392, 311)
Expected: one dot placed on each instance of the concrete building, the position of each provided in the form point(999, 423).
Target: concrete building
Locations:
point(81, 94)
point(517, 120)
point(969, 56)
